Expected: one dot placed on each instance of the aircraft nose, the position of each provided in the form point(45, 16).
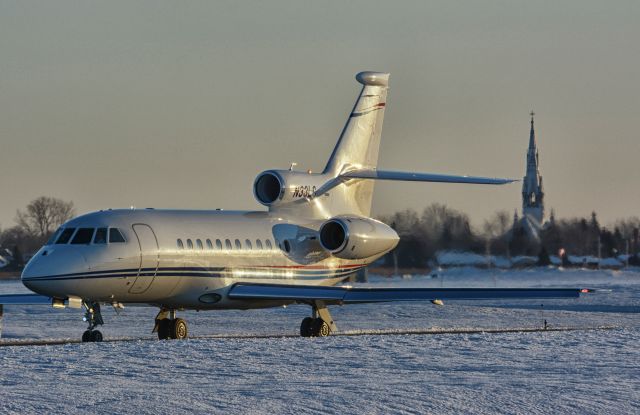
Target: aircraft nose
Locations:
point(52, 263)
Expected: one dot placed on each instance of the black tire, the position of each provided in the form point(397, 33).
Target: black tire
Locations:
point(164, 329)
point(306, 327)
point(86, 336)
point(96, 336)
point(321, 328)
point(179, 329)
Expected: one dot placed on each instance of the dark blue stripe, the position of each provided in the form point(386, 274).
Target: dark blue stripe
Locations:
point(186, 274)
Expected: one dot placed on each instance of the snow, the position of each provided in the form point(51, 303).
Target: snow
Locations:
point(455, 258)
point(583, 371)
point(449, 259)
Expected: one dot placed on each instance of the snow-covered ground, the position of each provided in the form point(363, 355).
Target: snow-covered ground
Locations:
point(586, 371)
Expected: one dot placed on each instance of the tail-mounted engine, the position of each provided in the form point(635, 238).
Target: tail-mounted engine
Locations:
point(353, 237)
point(277, 187)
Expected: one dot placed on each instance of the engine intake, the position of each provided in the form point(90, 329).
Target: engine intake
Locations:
point(275, 188)
point(268, 188)
point(353, 237)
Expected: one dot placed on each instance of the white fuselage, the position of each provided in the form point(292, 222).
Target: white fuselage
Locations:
point(184, 259)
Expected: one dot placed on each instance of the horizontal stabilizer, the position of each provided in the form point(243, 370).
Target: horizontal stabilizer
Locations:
point(409, 177)
point(349, 295)
point(24, 299)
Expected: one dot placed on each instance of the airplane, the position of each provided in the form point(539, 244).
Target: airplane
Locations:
point(316, 232)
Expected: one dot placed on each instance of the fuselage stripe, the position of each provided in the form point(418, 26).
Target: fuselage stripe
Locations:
point(201, 272)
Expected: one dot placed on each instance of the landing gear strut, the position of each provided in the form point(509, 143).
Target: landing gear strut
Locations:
point(321, 324)
point(169, 327)
point(93, 316)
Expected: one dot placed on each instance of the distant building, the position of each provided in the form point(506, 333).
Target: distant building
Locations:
point(6, 257)
point(532, 220)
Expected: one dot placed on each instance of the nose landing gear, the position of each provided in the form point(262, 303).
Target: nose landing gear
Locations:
point(94, 317)
point(169, 327)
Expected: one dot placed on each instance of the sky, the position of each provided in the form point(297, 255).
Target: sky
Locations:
point(181, 104)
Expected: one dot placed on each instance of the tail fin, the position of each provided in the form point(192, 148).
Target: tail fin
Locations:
point(359, 141)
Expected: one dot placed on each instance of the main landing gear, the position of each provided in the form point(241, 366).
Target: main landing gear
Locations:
point(320, 324)
point(169, 327)
point(93, 316)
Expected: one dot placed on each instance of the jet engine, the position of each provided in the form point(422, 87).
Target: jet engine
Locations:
point(278, 187)
point(353, 237)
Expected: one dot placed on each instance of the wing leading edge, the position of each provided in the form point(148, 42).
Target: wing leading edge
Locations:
point(407, 177)
point(24, 299)
point(349, 295)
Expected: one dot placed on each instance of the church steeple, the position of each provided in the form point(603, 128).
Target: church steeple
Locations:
point(532, 133)
point(532, 192)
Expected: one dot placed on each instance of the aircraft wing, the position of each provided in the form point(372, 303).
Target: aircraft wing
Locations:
point(24, 299)
point(407, 176)
point(350, 295)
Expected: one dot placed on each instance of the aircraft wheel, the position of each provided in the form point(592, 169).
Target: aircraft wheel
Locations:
point(164, 329)
point(96, 336)
point(320, 328)
point(306, 328)
point(179, 329)
point(86, 336)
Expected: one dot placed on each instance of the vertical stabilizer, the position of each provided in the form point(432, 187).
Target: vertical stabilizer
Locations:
point(359, 142)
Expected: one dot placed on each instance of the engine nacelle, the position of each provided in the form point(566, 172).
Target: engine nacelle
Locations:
point(277, 187)
point(353, 237)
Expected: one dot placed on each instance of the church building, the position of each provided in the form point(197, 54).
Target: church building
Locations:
point(532, 220)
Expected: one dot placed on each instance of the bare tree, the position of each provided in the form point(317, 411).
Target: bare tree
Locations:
point(495, 232)
point(43, 215)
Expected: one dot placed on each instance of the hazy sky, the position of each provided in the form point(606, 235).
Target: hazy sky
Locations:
point(181, 104)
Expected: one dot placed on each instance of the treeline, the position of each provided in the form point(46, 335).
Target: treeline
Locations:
point(437, 228)
point(440, 228)
point(34, 225)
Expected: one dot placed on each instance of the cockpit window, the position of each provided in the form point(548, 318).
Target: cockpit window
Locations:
point(65, 236)
point(101, 236)
point(83, 236)
point(115, 235)
point(55, 236)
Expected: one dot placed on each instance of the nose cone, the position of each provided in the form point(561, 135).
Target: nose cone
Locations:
point(52, 264)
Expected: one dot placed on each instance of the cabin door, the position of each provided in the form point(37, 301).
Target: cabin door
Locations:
point(149, 258)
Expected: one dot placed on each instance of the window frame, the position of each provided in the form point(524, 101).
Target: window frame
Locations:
point(73, 232)
point(106, 236)
point(75, 235)
point(124, 240)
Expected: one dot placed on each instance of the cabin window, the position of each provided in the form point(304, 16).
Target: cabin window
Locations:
point(55, 236)
point(268, 242)
point(199, 244)
point(218, 244)
point(180, 244)
point(248, 244)
point(65, 236)
point(209, 244)
point(115, 236)
point(189, 244)
point(83, 236)
point(101, 236)
point(238, 244)
point(258, 244)
point(227, 243)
